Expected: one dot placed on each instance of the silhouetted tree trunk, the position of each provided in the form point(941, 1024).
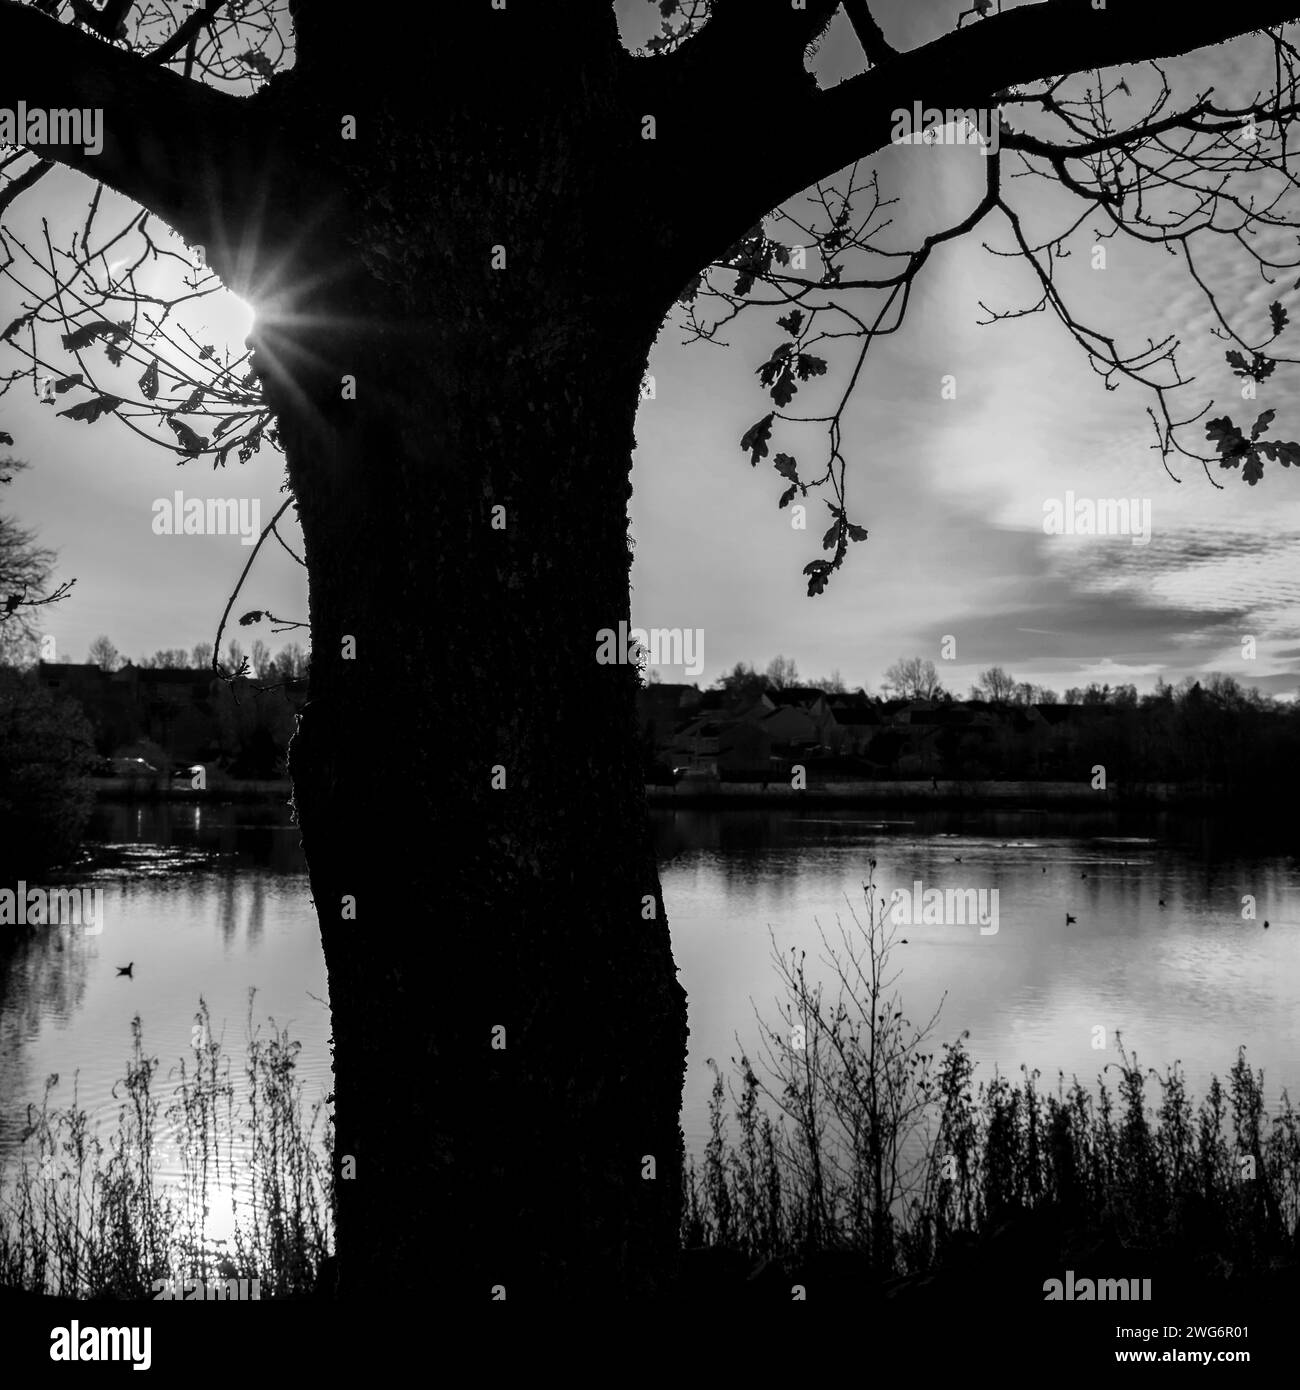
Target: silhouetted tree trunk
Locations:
point(470, 774)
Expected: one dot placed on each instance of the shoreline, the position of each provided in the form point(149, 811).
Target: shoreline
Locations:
point(974, 795)
point(1024, 795)
point(166, 789)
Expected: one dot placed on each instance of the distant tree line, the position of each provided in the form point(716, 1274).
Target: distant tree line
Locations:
point(916, 678)
point(46, 756)
point(1212, 729)
point(290, 663)
point(781, 673)
point(244, 727)
point(46, 752)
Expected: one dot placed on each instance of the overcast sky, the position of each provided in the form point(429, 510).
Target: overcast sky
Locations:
point(952, 491)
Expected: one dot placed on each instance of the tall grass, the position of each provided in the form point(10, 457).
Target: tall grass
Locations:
point(854, 1135)
point(83, 1218)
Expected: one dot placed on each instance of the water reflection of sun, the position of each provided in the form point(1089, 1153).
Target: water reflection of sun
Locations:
point(214, 1211)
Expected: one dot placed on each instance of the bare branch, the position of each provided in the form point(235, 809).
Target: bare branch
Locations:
point(168, 143)
point(870, 35)
point(20, 183)
point(972, 67)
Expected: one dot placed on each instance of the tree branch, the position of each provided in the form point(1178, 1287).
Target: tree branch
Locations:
point(752, 40)
point(110, 21)
point(529, 41)
point(193, 26)
point(178, 148)
point(20, 183)
point(870, 35)
point(968, 68)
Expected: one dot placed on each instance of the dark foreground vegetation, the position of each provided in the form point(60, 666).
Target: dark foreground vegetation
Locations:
point(863, 1161)
point(853, 1161)
point(82, 1218)
point(46, 756)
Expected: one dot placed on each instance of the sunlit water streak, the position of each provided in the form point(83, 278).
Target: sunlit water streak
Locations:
point(206, 901)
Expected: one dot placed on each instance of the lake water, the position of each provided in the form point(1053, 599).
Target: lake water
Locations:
point(213, 900)
point(202, 900)
point(1188, 981)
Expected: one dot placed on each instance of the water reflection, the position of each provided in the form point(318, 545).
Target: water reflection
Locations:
point(1160, 950)
point(205, 900)
point(214, 900)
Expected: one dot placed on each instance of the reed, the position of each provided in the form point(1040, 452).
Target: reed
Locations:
point(85, 1217)
point(856, 1135)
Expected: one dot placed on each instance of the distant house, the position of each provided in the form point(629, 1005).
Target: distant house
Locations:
point(802, 696)
point(661, 708)
point(72, 679)
point(855, 726)
point(916, 726)
point(169, 707)
point(721, 738)
point(108, 700)
point(714, 701)
point(809, 701)
point(791, 727)
point(745, 749)
point(719, 732)
point(179, 712)
point(949, 738)
point(177, 709)
point(1059, 735)
point(694, 745)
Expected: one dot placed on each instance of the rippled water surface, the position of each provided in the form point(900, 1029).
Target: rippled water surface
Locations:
point(213, 901)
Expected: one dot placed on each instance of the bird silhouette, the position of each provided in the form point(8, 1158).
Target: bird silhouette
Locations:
point(1162, 902)
point(1084, 874)
point(1044, 868)
point(956, 859)
point(1069, 919)
point(1265, 923)
point(903, 942)
point(127, 968)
